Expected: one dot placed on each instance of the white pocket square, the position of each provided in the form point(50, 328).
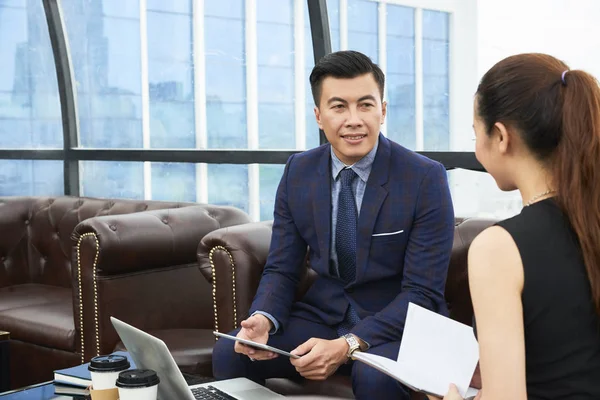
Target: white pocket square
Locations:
point(388, 233)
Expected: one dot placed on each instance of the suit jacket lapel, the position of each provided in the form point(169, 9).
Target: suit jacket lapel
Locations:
point(375, 194)
point(321, 195)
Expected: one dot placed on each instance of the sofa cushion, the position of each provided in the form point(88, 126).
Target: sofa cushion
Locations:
point(38, 314)
point(336, 386)
point(31, 294)
point(191, 348)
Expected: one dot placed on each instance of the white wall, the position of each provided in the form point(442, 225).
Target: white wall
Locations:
point(567, 29)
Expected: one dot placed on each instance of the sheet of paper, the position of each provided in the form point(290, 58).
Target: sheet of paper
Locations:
point(437, 351)
point(399, 372)
point(387, 366)
point(471, 392)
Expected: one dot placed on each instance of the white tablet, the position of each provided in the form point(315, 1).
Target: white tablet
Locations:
point(256, 345)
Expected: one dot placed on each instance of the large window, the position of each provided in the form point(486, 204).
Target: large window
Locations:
point(29, 104)
point(412, 46)
point(231, 77)
point(105, 46)
point(228, 74)
point(225, 74)
point(275, 73)
point(400, 75)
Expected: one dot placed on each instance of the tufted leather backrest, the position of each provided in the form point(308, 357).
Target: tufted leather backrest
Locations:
point(458, 295)
point(14, 240)
point(36, 234)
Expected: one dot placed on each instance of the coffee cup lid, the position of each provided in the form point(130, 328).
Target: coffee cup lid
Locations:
point(111, 362)
point(137, 378)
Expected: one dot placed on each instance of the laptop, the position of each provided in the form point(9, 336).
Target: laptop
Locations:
point(149, 352)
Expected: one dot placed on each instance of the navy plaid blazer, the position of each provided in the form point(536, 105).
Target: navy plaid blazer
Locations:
point(405, 192)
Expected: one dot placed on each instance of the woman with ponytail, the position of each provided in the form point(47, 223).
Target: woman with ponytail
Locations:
point(535, 278)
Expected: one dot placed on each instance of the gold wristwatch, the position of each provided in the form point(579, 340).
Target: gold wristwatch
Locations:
point(353, 344)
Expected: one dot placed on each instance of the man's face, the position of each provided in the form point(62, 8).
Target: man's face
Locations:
point(350, 112)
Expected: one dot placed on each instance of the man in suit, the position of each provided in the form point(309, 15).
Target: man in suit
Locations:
point(378, 222)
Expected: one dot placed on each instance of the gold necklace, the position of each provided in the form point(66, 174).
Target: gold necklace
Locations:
point(537, 196)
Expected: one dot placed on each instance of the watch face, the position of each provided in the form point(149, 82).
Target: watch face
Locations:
point(352, 343)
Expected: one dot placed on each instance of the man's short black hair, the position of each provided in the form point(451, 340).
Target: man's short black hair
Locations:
point(346, 64)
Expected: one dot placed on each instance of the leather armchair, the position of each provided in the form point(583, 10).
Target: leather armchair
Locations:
point(67, 264)
point(232, 260)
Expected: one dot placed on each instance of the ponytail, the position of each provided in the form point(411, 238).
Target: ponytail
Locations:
point(576, 168)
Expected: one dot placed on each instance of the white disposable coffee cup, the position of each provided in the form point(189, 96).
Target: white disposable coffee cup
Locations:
point(138, 384)
point(105, 370)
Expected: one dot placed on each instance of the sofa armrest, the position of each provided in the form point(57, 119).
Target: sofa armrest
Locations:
point(142, 268)
point(232, 260)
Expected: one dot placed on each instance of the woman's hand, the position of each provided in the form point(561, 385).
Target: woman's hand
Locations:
point(453, 395)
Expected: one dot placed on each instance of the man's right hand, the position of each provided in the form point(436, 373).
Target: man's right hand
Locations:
point(255, 328)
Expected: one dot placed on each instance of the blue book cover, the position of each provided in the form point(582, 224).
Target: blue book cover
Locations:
point(80, 375)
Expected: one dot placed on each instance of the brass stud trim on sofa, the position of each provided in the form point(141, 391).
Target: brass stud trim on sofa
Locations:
point(96, 329)
point(214, 284)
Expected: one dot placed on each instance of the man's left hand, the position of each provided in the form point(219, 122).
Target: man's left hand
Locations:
point(320, 358)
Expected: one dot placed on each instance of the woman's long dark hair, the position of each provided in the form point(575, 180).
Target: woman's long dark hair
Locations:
point(557, 114)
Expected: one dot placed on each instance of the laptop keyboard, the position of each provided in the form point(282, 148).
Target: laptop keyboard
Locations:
point(210, 393)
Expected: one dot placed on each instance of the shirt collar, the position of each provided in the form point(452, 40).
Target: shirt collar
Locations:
point(362, 167)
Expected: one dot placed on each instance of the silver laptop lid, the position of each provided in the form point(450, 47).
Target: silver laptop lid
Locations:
point(149, 352)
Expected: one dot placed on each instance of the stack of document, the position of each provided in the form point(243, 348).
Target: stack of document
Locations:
point(435, 351)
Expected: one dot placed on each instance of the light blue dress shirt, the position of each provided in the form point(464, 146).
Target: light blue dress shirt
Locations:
point(362, 168)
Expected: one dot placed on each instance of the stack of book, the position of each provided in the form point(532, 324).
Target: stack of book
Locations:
point(75, 381)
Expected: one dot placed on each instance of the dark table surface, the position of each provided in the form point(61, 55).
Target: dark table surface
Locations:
point(4, 361)
point(45, 390)
point(41, 391)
